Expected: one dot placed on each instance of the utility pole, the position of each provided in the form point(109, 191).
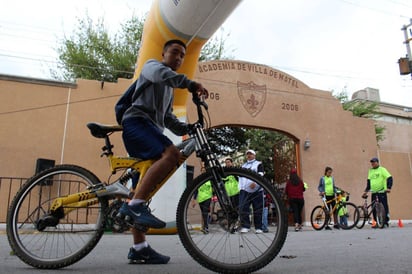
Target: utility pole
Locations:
point(405, 63)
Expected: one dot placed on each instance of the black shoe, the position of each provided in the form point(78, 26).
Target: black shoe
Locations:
point(336, 227)
point(328, 228)
point(146, 256)
point(141, 215)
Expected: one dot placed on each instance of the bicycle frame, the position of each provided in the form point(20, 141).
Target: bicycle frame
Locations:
point(369, 208)
point(326, 204)
point(58, 229)
point(197, 142)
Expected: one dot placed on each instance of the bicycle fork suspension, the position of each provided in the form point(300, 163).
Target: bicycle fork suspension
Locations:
point(204, 152)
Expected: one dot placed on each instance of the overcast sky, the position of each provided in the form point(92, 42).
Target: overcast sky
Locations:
point(327, 44)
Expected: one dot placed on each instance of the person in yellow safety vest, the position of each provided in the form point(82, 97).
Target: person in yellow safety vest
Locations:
point(203, 196)
point(327, 187)
point(380, 183)
point(343, 212)
point(232, 185)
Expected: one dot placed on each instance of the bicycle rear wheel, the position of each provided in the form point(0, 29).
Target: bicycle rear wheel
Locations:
point(224, 248)
point(363, 217)
point(319, 217)
point(351, 214)
point(44, 242)
point(380, 215)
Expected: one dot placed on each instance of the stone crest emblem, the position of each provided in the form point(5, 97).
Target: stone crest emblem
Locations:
point(252, 96)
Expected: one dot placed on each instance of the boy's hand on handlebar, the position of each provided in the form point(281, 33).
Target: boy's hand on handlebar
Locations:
point(199, 89)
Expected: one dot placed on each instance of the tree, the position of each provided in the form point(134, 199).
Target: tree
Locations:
point(364, 109)
point(92, 53)
point(275, 150)
point(215, 49)
point(226, 141)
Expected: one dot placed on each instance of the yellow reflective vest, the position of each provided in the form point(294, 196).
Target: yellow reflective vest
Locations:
point(231, 185)
point(204, 192)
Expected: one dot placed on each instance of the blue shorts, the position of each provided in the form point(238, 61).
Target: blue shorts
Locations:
point(143, 139)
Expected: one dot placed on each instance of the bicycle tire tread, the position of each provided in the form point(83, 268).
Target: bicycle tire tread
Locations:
point(210, 263)
point(49, 264)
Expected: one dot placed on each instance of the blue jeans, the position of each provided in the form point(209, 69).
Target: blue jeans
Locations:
point(343, 220)
point(383, 198)
point(265, 224)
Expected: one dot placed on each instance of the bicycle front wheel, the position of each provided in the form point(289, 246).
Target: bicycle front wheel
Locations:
point(349, 217)
point(45, 242)
point(225, 247)
point(319, 217)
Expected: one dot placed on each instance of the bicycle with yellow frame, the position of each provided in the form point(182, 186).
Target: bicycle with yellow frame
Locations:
point(345, 212)
point(59, 215)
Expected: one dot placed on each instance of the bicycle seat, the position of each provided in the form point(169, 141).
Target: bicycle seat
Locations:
point(101, 131)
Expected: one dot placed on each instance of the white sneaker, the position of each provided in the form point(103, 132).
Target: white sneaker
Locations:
point(244, 230)
point(259, 231)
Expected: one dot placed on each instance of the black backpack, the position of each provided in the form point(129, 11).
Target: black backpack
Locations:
point(126, 100)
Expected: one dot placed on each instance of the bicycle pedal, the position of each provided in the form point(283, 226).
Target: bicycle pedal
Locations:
point(120, 216)
point(124, 220)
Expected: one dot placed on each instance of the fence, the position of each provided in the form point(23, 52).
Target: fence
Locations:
point(8, 189)
point(40, 197)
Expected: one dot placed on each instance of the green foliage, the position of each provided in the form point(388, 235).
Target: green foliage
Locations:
point(380, 132)
point(360, 108)
point(364, 109)
point(92, 53)
point(225, 141)
point(214, 49)
point(275, 150)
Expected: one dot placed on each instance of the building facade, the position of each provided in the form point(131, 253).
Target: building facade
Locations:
point(47, 120)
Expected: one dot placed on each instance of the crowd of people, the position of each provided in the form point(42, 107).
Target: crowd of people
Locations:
point(255, 205)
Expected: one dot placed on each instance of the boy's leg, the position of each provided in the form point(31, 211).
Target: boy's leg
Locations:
point(144, 140)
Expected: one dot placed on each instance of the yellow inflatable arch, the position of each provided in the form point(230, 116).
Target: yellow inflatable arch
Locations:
point(193, 22)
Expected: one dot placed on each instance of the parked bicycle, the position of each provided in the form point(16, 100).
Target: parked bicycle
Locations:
point(59, 215)
point(345, 212)
point(366, 212)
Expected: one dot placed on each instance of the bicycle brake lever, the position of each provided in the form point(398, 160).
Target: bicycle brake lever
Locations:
point(203, 103)
point(199, 100)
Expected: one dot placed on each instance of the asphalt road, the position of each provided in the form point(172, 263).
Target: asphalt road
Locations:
point(367, 250)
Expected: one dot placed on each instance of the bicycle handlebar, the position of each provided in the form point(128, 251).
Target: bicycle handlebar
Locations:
point(199, 102)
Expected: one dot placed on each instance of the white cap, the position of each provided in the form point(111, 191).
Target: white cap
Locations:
point(251, 151)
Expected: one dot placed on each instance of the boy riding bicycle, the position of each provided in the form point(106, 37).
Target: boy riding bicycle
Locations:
point(143, 124)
